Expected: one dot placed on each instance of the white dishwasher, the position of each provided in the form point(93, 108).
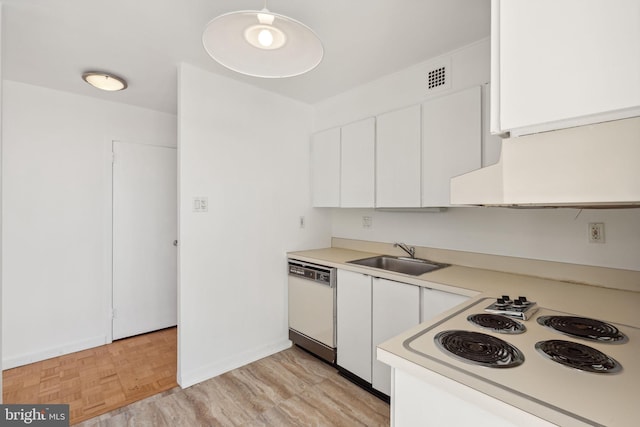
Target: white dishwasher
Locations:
point(312, 308)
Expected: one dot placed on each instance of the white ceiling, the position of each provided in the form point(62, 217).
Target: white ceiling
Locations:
point(51, 42)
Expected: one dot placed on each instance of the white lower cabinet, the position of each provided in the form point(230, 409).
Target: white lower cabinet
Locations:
point(371, 310)
point(435, 302)
point(354, 323)
point(435, 400)
point(396, 308)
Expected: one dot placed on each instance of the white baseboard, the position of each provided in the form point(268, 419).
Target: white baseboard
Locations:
point(25, 359)
point(203, 373)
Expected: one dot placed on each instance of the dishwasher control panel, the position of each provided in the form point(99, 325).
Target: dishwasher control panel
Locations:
point(317, 273)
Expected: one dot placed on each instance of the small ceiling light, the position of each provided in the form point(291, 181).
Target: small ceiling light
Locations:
point(104, 81)
point(262, 44)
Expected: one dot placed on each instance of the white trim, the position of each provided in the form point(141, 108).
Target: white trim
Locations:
point(48, 353)
point(1, 208)
point(203, 373)
point(108, 238)
point(607, 116)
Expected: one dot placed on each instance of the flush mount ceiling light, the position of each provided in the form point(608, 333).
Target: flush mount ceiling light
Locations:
point(262, 44)
point(104, 81)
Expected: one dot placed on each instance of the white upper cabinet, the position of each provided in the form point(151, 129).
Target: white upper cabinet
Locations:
point(562, 63)
point(451, 142)
point(398, 158)
point(325, 168)
point(357, 177)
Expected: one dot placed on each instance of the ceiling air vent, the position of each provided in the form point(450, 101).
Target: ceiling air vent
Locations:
point(438, 76)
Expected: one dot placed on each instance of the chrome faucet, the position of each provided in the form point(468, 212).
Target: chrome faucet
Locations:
point(408, 249)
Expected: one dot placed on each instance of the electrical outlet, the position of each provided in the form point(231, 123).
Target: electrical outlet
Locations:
point(367, 222)
point(596, 232)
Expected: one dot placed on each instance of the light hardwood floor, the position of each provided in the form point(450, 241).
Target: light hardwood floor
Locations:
point(100, 379)
point(290, 388)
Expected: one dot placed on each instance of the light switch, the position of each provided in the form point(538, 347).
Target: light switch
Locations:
point(200, 204)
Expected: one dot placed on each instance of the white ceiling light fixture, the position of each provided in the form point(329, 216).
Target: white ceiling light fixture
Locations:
point(262, 44)
point(104, 81)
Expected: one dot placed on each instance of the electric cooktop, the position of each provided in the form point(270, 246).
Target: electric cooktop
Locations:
point(573, 364)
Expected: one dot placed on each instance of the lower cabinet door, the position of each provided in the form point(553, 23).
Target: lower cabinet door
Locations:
point(396, 308)
point(435, 302)
point(354, 323)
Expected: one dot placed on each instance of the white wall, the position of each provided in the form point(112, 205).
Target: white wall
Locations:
point(56, 221)
point(547, 234)
point(469, 66)
point(1, 200)
point(247, 150)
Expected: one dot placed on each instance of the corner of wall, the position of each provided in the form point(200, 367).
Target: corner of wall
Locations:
point(1, 80)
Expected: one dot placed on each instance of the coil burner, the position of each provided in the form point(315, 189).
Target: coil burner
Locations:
point(578, 356)
point(480, 349)
point(497, 323)
point(585, 328)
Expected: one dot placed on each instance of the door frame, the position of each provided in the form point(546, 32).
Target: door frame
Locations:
point(107, 231)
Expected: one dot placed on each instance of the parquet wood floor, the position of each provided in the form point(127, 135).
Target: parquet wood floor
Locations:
point(100, 379)
point(290, 388)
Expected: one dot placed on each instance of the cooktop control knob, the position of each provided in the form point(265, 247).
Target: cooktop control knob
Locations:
point(519, 308)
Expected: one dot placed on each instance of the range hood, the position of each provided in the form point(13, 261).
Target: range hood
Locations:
point(596, 166)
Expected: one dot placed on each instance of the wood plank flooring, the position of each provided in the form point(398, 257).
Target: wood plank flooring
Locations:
point(100, 379)
point(290, 388)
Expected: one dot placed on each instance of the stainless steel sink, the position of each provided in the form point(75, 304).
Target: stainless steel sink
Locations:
point(412, 266)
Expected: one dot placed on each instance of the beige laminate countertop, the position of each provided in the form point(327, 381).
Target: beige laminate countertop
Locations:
point(619, 306)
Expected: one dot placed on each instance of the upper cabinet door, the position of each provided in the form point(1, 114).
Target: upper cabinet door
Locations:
point(358, 160)
point(563, 63)
point(325, 168)
point(451, 142)
point(398, 158)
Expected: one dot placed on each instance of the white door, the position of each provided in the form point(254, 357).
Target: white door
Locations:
point(144, 231)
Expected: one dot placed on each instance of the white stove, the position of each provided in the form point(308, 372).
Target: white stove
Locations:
point(526, 355)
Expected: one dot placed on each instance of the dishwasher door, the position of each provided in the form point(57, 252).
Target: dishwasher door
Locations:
point(312, 309)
